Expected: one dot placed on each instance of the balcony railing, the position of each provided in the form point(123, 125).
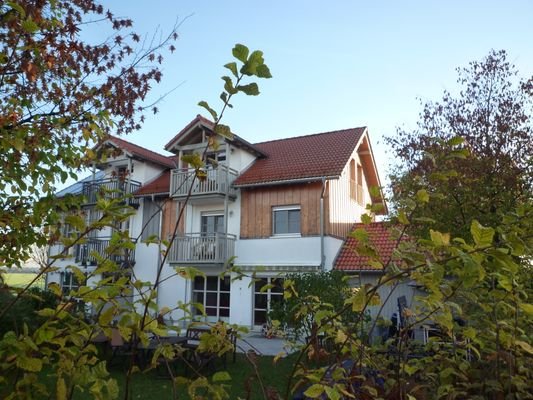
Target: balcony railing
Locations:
point(110, 188)
point(217, 181)
point(85, 253)
point(202, 248)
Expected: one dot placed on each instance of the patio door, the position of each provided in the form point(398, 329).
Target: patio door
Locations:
point(267, 292)
point(213, 293)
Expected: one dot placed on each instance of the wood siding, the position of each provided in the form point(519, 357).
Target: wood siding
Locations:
point(343, 209)
point(256, 208)
point(170, 216)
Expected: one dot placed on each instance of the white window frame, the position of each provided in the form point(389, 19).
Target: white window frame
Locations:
point(68, 282)
point(212, 318)
point(286, 208)
point(268, 293)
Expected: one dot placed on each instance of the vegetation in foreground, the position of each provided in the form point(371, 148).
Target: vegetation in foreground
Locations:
point(469, 251)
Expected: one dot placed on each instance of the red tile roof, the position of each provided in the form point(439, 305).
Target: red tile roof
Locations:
point(379, 237)
point(142, 152)
point(302, 158)
point(160, 185)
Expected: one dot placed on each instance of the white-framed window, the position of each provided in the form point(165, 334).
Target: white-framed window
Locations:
point(213, 293)
point(267, 291)
point(212, 222)
point(68, 282)
point(286, 220)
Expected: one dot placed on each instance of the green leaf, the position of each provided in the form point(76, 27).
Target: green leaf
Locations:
point(221, 376)
point(482, 236)
point(232, 66)
point(314, 391)
point(525, 346)
point(224, 97)
point(251, 89)
point(30, 26)
point(366, 219)
point(422, 196)
point(29, 364)
point(228, 86)
point(209, 109)
point(17, 7)
point(61, 390)
point(224, 131)
point(456, 141)
point(360, 234)
point(527, 308)
point(402, 218)
point(332, 393)
point(240, 52)
point(439, 239)
point(263, 72)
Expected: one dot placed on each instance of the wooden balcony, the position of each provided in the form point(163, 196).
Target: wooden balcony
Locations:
point(217, 183)
point(110, 188)
point(84, 253)
point(202, 248)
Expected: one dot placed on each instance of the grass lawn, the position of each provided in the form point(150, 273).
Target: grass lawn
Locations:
point(21, 279)
point(151, 385)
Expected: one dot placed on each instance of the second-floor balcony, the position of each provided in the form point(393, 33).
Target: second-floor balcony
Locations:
point(202, 248)
point(85, 253)
point(217, 182)
point(112, 188)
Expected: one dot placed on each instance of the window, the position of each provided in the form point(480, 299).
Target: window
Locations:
point(151, 219)
point(212, 223)
point(265, 297)
point(68, 282)
point(353, 182)
point(214, 294)
point(286, 220)
point(360, 194)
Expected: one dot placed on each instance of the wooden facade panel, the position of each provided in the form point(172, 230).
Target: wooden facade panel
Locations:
point(257, 203)
point(343, 209)
point(170, 216)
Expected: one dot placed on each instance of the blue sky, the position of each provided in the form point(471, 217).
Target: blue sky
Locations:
point(335, 65)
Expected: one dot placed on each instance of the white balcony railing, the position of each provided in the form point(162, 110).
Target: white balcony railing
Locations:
point(202, 248)
point(216, 181)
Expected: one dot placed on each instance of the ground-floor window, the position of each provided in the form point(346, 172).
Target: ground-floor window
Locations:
point(267, 291)
point(68, 282)
point(213, 293)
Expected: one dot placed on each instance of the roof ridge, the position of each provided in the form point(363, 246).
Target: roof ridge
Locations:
point(311, 134)
point(139, 146)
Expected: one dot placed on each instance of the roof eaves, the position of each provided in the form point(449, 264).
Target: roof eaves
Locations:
point(286, 181)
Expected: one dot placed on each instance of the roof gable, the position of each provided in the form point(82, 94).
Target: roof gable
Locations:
point(308, 157)
point(140, 152)
point(201, 123)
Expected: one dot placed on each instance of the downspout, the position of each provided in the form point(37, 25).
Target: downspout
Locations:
point(322, 252)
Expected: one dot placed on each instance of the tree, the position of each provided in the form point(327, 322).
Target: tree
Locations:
point(60, 94)
point(475, 147)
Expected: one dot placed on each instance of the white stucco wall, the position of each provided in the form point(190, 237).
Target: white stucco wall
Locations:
point(286, 251)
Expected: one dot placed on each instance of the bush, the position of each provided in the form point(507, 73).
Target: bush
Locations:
point(303, 292)
point(23, 311)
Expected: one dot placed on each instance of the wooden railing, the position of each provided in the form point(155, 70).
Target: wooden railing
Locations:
point(216, 181)
point(110, 188)
point(202, 248)
point(84, 252)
